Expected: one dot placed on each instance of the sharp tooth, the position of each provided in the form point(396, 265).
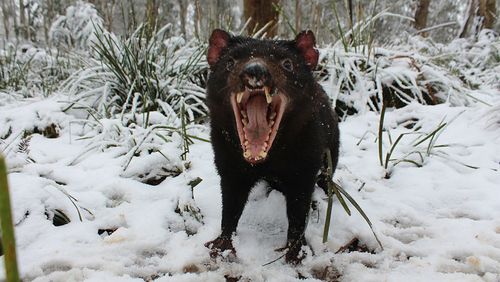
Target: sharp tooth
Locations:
point(244, 114)
point(246, 154)
point(263, 154)
point(239, 97)
point(269, 99)
point(272, 116)
point(244, 121)
point(246, 143)
point(271, 123)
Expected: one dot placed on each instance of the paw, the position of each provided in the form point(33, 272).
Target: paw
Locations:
point(221, 247)
point(295, 256)
point(295, 252)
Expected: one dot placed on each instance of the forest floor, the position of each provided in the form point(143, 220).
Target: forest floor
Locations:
point(438, 221)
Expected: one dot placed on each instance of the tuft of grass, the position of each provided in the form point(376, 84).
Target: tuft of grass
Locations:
point(142, 74)
point(340, 193)
point(13, 72)
point(33, 71)
point(414, 152)
point(8, 239)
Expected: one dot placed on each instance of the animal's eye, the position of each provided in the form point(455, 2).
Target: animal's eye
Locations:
point(287, 64)
point(230, 64)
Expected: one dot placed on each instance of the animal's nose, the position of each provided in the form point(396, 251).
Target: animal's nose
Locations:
point(255, 75)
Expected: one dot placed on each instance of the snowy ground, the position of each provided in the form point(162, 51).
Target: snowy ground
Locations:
point(438, 222)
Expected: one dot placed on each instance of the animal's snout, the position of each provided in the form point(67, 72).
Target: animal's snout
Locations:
point(255, 75)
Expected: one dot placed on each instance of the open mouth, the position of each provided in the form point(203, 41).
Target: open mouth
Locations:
point(258, 114)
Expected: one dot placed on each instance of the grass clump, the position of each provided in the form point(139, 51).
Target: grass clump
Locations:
point(340, 193)
point(142, 74)
point(140, 92)
point(30, 71)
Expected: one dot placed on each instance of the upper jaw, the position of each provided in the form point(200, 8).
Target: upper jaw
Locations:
point(247, 92)
point(258, 113)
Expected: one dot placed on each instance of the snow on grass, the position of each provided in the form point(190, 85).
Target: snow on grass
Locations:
point(437, 222)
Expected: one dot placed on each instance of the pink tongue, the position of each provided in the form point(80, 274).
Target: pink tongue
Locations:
point(257, 129)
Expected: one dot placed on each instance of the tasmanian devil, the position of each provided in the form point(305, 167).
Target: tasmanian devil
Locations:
point(270, 121)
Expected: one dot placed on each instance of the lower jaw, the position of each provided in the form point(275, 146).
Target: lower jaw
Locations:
point(257, 160)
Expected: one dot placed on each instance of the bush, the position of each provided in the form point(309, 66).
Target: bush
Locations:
point(31, 71)
point(142, 74)
point(76, 28)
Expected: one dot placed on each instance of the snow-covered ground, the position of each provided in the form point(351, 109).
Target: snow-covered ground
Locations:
point(437, 222)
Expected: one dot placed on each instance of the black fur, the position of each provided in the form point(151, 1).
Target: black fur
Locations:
point(308, 128)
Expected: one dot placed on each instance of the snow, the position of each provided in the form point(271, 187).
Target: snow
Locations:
point(438, 222)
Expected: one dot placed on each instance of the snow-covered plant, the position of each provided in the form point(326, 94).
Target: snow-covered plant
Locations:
point(422, 146)
point(476, 62)
point(361, 81)
point(33, 71)
point(76, 28)
point(157, 143)
point(142, 74)
point(13, 72)
point(359, 76)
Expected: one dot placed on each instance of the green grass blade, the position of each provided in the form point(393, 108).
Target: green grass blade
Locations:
point(360, 210)
point(8, 239)
point(329, 173)
point(326, 228)
point(341, 199)
point(408, 161)
point(430, 135)
point(380, 128)
point(389, 154)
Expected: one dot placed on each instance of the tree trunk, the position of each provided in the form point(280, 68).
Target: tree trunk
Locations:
point(48, 16)
point(151, 16)
point(261, 12)
point(182, 16)
point(22, 20)
point(351, 14)
point(421, 15)
point(28, 21)
point(488, 10)
point(197, 12)
point(5, 14)
point(14, 18)
point(480, 14)
point(298, 16)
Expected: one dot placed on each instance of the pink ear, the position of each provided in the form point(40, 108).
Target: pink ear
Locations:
point(218, 41)
point(305, 42)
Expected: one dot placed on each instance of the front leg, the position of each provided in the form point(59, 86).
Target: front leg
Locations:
point(298, 201)
point(235, 189)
